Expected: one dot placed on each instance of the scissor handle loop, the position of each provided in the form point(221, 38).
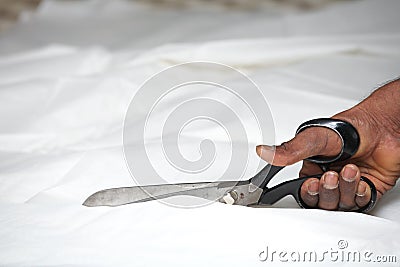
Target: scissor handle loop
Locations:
point(365, 209)
point(348, 134)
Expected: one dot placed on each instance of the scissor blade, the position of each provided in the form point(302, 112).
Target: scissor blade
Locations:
point(126, 195)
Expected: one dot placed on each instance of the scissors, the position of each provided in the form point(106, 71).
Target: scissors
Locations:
point(254, 191)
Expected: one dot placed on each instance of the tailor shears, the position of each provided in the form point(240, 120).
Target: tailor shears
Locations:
point(249, 192)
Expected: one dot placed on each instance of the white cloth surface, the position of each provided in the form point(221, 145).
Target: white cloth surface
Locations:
point(67, 75)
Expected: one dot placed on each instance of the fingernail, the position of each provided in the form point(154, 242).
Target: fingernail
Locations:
point(331, 180)
point(361, 190)
point(349, 173)
point(312, 188)
point(265, 152)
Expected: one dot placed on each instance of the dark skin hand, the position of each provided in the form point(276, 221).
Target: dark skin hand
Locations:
point(377, 120)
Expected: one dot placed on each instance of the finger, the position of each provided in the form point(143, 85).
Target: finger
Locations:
point(310, 142)
point(348, 183)
point(309, 192)
point(363, 194)
point(329, 191)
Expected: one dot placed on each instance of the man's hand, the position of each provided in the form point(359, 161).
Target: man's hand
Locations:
point(377, 120)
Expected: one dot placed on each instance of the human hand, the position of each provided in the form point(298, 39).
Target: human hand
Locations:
point(377, 120)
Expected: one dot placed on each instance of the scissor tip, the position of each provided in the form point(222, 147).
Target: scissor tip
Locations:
point(88, 203)
point(91, 201)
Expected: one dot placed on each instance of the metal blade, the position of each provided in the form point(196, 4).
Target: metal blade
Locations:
point(126, 195)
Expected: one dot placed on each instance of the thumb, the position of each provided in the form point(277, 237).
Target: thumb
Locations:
point(313, 141)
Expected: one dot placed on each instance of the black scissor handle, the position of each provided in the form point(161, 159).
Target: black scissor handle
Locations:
point(271, 195)
point(350, 143)
point(347, 133)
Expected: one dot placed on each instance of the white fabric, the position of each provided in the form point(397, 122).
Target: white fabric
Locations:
point(67, 75)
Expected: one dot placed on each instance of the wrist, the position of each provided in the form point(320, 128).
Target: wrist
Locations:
point(383, 106)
